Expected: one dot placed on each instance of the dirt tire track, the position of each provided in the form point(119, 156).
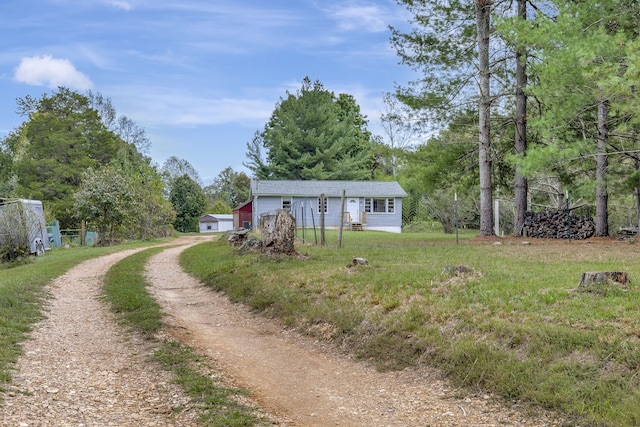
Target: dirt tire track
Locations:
point(80, 369)
point(299, 383)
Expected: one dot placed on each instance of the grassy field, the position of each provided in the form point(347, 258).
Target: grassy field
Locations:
point(22, 295)
point(514, 323)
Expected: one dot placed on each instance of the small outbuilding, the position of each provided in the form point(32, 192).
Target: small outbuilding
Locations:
point(242, 216)
point(212, 223)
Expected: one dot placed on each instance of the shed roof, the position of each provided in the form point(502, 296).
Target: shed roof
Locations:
point(216, 217)
point(328, 188)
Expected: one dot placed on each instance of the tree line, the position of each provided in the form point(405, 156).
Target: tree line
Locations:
point(525, 101)
point(542, 93)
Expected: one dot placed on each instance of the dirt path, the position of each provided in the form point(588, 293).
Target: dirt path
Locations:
point(299, 382)
point(80, 369)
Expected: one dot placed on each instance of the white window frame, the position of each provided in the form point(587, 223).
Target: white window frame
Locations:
point(284, 203)
point(326, 205)
point(372, 205)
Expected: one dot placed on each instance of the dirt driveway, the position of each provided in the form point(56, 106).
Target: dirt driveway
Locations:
point(81, 369)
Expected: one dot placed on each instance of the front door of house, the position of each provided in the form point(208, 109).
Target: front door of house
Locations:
point(353, 207)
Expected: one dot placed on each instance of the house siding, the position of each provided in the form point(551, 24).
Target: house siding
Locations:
point(307, 214)
point(267, 196)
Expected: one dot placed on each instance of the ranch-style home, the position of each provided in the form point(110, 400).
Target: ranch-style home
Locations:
point(368, 205)
point(211, 223)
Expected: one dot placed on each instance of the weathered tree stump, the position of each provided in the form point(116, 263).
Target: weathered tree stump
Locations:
point(279, 232)
point(599, 281)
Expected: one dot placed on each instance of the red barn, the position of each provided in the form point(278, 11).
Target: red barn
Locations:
point(242, 216)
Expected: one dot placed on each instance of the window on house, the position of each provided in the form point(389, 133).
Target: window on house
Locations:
point(326, 205)
point(208, 226)
point(286, 203)
point(379, 205)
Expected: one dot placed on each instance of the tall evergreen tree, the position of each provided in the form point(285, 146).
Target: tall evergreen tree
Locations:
point(583, 84)
point(450, 46)
point(313, 134)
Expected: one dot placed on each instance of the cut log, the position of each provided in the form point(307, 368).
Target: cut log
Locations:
point(599, 281)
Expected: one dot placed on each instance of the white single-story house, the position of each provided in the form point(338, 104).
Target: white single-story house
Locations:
point(211, 223)
point(368, 205)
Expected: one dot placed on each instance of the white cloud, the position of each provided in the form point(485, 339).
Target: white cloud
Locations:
point(50, 72)
point(360, 17)
point(119, 4)
point(154, 106)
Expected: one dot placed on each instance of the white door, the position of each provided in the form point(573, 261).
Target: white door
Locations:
point(353, 207)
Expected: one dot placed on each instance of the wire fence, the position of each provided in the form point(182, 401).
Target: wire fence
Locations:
point(423, 214)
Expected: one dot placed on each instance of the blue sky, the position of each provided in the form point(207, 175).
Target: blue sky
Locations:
point(200, 76)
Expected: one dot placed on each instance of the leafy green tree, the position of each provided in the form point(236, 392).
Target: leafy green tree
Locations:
point(189, 202)
point(313, 134)
point(230, 187)
point(399, 132)
point(124, 127)
point(174, 168)
point(48, 153)
point(106, 199)
point(219, 207)
point(448, 164)
point(154, 214)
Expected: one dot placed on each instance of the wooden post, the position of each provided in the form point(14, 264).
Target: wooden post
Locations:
point(344, 193)
point(83, 230)
point(322, 209)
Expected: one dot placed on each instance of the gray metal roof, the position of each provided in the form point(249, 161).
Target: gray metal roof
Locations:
point(328, 188)
point(217, 216)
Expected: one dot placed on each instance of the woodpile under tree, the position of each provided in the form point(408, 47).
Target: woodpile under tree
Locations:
point(558, 224)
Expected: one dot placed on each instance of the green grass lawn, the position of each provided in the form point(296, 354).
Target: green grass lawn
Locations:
point(514, 324)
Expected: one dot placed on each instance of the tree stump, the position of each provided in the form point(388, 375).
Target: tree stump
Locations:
point(455, 270)
point(279, 232)
point(600, 281)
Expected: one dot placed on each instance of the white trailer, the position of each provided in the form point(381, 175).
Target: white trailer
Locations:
point(29, 215)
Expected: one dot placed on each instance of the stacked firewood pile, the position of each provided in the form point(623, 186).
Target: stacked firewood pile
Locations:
point(558, 224)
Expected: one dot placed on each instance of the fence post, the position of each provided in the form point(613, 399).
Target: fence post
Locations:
point(344, 194)
point(322, 208)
